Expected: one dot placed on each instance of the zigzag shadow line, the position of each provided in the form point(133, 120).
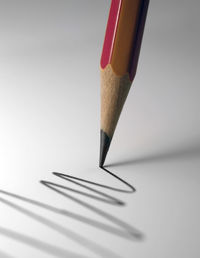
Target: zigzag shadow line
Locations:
point(123, 229)
point(115, 226)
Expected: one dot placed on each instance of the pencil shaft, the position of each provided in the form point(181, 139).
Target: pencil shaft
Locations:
point(119, 62)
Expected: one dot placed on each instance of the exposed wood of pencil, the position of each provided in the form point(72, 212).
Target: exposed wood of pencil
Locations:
point(119, 63)
point(114, 90)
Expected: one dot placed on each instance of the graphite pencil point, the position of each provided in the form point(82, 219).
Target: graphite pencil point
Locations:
point(104, 147)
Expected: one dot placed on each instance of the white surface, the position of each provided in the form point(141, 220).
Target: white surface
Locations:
point(49, 111)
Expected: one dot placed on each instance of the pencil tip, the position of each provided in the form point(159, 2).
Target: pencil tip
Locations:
point(104, 147)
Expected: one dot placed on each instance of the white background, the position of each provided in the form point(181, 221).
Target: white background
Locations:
point(49, 122)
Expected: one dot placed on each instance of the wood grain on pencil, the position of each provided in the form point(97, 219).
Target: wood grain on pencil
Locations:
point(114, 90)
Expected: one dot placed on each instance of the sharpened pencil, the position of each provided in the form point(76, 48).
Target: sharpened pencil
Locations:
point(118, 64)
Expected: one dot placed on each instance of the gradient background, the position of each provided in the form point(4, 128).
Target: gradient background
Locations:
point(49, 121)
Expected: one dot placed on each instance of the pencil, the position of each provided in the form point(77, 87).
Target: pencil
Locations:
point(118, 64)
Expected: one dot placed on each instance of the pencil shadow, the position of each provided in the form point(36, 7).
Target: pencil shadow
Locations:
point(35, 243)
point(4, 255)
point(88, 244)
point(114, 226)
point(103, 196)
point(181, 152)
point(123, 229)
